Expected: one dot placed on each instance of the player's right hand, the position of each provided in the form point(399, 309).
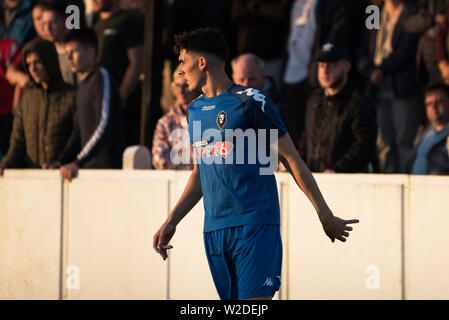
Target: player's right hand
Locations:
point(161, 239)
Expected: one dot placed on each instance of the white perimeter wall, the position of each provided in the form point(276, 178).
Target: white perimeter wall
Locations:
point(99, 230)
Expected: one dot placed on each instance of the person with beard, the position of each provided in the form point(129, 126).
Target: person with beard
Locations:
point(340, 129)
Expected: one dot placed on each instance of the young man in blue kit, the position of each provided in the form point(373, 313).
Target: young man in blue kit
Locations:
point(242, 217)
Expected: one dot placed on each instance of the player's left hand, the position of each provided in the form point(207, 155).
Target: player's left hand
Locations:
point(336, 228)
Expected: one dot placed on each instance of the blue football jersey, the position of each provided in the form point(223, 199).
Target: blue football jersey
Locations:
point(230, 135)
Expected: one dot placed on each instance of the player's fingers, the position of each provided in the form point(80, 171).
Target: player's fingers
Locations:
point(346, 234)
point(156, 243)
point(163, 254)
point(351, 221)
point(341, 238)
point(347, 228)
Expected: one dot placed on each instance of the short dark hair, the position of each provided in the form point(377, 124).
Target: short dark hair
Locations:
point(85, 36)
point(205, 40)
point(57, 7)
point(42, 4)
point(437, 87)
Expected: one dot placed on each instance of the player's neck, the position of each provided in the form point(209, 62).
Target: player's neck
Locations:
point(216, 84)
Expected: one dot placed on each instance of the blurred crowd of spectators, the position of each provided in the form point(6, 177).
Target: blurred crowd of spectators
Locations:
point(353, 99)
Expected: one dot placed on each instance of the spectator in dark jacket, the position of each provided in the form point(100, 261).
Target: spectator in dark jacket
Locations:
point(97, 139)
point(387, 62)
point(312, 24)
point(120, 36)
point(425, 23)
point(340, 129)
point(44, 117)
point(431, 155)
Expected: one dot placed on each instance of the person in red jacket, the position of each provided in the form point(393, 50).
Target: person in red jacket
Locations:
point(10, 54)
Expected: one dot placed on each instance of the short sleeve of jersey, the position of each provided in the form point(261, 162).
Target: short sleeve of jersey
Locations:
point(263, 114)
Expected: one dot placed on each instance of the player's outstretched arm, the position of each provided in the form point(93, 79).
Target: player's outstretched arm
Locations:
point(334, 227)
point(189, 198)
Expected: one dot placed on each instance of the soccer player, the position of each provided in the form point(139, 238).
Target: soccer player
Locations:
point(242, 217)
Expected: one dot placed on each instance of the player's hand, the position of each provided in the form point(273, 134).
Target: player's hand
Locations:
point(161, 239)
point(336, 228)
point(68, 171)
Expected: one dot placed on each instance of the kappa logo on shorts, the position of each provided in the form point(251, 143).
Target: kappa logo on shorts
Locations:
point(221, 119)
point(268, 283)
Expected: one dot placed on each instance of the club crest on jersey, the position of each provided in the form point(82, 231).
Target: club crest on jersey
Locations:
point(221, 119)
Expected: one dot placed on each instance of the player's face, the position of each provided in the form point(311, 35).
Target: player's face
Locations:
point(181, 91)
point(189, 70)
point(79, 57)
point(35, 67)
point(332, 74)
point(437, 108)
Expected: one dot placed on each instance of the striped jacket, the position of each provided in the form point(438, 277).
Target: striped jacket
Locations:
point(97, 138)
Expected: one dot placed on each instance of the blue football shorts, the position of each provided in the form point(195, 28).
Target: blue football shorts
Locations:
point(245, 261)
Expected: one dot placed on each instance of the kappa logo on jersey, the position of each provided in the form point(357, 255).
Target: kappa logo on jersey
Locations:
point(256, 96)
point(207, 108)
point(221, 119)
point(220, 148)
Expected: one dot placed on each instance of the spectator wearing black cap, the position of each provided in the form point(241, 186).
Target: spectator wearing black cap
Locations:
point(340, 128)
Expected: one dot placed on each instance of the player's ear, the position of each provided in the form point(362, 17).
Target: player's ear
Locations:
point(202, 62)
